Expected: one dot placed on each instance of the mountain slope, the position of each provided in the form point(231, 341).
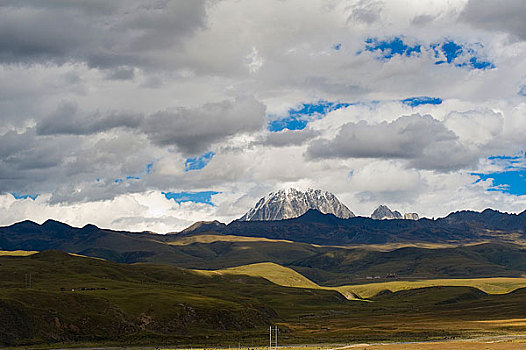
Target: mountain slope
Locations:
point(291, 203)
point(76, 299)
point(384, 213)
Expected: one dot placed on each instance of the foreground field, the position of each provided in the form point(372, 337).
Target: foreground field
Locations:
point(75, 300)
point(450, 345)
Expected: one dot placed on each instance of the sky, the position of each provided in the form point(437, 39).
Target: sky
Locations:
point(151, 115)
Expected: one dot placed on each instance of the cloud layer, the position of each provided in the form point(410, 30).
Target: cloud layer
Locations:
point(106, 105)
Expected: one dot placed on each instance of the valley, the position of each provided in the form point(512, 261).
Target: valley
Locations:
point(210, 285)
point(82, 300)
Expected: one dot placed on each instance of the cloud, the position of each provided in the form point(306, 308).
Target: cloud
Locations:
point(289, 137)
point(121, 73)
point(506, 16)
point(68, 120)
point(193, 130)
point(422, 140)
point(99, 33)
point(95, 91)
point(479, 127)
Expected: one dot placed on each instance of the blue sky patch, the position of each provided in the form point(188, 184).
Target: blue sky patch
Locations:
point(459, 55)
point(149, 168)
point(32, 196)
point(522, 90)
point(421, 100)
point(197, 163)
point(298, 118)
point(391, 47)
point(195, 197)
point(449, 51)
point(512, 179)
point(146, 171)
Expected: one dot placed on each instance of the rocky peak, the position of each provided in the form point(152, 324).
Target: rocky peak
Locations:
point(384, 213)
point(411, 216)
point(291, 203)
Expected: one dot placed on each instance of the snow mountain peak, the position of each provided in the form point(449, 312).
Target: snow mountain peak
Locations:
point(291, 203)
point(384, 213)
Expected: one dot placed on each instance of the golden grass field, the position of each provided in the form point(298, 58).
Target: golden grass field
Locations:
point(17, 252)
point(288, 277)
point(491, 285)
point(273, 272)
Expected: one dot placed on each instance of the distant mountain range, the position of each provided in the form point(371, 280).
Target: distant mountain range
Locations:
point(320, 246)
point(318, 228)
point(291, 203)
point(313, 227)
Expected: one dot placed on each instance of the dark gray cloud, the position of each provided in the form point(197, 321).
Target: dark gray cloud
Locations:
point(74, 168)
point(497, 15)
point(121, 73)
point(28, 162)
point(288, 138)
point(422, 140)
point(99, 33)
point(68, 120)
point(193, 130)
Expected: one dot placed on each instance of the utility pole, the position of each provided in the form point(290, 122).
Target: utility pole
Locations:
point(273, 338)
point(29, 283)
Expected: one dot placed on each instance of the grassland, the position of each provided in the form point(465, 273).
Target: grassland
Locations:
point(17, 252)
point(288, 277)
point(76, 300)
point(275, 273)
point(496, 285)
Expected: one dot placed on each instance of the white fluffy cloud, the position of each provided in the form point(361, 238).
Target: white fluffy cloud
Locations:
point(101, 104)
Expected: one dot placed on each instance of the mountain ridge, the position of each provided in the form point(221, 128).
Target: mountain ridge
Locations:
point(290, 203)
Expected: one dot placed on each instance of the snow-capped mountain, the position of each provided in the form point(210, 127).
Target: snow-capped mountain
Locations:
point(292, 203)
point(384, 213)
point(411, 216)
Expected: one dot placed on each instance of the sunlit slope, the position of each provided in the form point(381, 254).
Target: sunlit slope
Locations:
point(273, 272)
point(17, 252)
point(497, 285)
point(287, 277)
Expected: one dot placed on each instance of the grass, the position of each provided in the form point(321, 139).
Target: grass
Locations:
point(119, 304)
point(17, 252)
point(288, 277)
point(496, 285)
point(273, 272)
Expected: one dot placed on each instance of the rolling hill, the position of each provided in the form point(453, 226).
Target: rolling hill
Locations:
point(325, 265)
point(82, 301)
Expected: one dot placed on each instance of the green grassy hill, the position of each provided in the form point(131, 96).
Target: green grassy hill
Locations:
point(76, 300)
point(275, 273)
point(288, 277)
